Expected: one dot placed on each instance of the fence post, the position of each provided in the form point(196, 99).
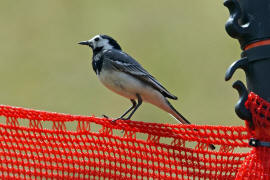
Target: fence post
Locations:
point(249, 22)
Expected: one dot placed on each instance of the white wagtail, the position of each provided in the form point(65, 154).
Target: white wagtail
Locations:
point(125, 76)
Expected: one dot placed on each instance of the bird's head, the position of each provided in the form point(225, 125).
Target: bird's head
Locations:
point(101, 42)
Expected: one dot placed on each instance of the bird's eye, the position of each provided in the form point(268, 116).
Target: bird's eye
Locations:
point(96, 39)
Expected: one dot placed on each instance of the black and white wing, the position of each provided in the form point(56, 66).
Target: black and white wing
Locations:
point(125, 63)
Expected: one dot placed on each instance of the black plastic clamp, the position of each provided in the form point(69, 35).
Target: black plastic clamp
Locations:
point(255, 143)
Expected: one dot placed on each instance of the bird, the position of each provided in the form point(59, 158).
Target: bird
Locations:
point(122, 74)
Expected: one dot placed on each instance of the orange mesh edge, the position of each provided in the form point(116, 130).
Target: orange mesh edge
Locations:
point(39, 144)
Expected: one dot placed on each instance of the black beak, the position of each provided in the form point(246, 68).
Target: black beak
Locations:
point(84, 43)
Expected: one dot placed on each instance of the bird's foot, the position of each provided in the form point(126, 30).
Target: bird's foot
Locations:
point(120, 118)
point(103, 115)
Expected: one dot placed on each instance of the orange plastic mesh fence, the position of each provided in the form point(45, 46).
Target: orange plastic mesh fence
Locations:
point(38, 144)
point(257, 164)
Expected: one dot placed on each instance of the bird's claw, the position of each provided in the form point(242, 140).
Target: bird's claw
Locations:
point(114, 120)
point(103, 115)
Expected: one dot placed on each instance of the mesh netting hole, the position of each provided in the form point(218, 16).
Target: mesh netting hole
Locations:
point(141, 136)
point(95, 127)
point(47, 124)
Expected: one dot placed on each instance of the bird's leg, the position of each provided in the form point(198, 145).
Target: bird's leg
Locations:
point(139, 103)
point(132, 107)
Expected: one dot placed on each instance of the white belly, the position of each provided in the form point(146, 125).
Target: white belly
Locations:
point(128, 86)
point(121, 83)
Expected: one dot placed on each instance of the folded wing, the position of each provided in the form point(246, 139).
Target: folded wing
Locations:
point(123, 62)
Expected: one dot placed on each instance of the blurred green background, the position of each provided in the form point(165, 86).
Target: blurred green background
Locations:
point(182, 43)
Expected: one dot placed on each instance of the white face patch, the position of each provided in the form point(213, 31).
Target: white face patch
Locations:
point(98, 41)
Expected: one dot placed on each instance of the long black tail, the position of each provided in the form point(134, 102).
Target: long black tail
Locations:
point(183, 120)
point(177, 115)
